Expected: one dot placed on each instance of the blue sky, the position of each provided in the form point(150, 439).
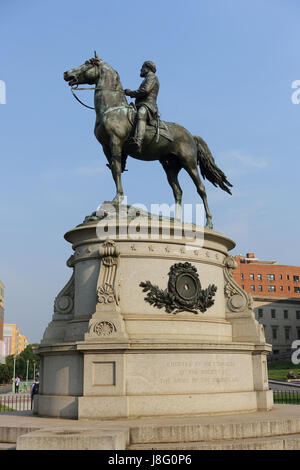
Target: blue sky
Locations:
point(226, 69)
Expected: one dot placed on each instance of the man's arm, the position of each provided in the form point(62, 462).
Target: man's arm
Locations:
point(144, 89)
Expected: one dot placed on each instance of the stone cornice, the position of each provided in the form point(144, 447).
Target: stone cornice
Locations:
point(270, 299)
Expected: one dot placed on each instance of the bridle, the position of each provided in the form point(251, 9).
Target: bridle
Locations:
point(75, 87)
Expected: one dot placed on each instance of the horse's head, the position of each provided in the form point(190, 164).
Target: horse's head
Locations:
point(86, 73)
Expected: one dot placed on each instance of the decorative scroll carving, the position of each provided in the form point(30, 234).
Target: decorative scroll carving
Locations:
point(107, 283)
point(237, 299)
point(64, 302)
point(184, 291)
point(105, 294)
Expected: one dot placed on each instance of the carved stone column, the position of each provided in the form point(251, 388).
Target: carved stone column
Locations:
point(107, 322)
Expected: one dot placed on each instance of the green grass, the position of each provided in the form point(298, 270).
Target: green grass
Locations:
point(279, 370)
point(5, 409)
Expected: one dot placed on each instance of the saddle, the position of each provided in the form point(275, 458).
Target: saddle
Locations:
point(160, 126)
point(161, 129)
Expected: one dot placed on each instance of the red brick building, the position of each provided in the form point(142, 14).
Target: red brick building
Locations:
point(267, 278)
point(275, 289)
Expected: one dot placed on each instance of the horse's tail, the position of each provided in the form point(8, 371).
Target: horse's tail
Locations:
point(208, 166)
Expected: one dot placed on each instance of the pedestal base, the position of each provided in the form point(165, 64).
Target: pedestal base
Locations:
point(152, 328)
point(167, 380)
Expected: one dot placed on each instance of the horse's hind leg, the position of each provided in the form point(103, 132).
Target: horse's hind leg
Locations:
point(172, 168)
point(192, 170)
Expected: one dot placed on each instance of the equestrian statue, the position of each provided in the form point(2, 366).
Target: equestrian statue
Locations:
point(135, 130)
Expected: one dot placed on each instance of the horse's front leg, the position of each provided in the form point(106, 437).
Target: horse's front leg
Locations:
point(116, 169)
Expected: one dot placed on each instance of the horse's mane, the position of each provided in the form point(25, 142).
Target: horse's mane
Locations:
point(115, 75)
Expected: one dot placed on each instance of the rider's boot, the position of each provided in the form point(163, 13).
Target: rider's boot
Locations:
point(136, 141)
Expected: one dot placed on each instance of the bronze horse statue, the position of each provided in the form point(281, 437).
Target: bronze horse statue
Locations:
point(175, 149)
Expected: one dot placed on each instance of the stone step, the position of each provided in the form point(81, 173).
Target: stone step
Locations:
point(277, 429)
point(286, 442)
point(246, 427)
point(7, 446)
point(9, 434)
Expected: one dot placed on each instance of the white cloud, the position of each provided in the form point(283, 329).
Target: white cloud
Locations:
point(91, 170)
point(239, 163)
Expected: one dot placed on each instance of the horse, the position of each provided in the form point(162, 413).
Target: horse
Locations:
point(114, 125)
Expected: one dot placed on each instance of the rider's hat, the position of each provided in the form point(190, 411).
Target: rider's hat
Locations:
point(151, 65)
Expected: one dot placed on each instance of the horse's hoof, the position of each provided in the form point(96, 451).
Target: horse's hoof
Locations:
point(117, 199)
point(209, 224)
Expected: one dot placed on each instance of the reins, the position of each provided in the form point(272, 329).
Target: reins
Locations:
point(75, 87)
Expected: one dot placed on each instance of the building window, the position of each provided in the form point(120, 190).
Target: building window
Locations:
point(259, 277)
point(271, 277)
point(273, 313)
point(274, 332)
point(288, 277)
point(251, 277)
point(260, 313)
point(281, 287)
point(298, 333)
point(297, 314)
point(259, 288)
point(271, 288)
point(252, 288)
point(242, 276)
point(280, 276)
point(287, 332)
point(297, 290)
point(243, 287)
point(296, 278)
point(286, 314)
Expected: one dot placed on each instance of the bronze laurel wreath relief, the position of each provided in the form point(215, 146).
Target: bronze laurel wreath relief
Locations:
point(184, 292)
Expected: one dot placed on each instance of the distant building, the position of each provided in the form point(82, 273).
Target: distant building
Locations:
point(276, 296)
point(14, 341)
point(1, 321)
point(1, 310)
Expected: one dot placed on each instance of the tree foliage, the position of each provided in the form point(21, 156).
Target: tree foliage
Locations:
point(7, 369)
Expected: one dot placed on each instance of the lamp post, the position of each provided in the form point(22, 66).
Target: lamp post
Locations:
point(27, 363)
point(33, 370)
point(13, 387)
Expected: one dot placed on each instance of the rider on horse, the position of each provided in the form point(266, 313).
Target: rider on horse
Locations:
point(145, 101)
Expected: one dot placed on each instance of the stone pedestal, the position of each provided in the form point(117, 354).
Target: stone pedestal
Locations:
point(151, 323)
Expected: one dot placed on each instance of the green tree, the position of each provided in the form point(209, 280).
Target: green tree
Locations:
point(5, 376)
point(7, 369)
point(28, 355)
